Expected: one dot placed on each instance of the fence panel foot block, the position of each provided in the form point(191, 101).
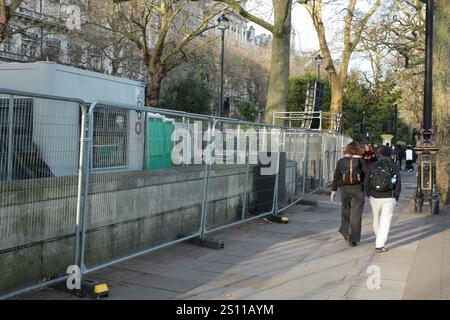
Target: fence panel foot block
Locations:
point(206, 242)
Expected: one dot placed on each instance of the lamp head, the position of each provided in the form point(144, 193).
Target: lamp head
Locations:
point(223, 22)
point(318, 59)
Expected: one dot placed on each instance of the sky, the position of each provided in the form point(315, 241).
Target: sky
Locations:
point(306, 39)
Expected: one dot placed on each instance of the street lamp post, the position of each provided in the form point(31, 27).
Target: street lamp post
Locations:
point(318, 95)
point(426, 148)
point(223, 24)
point(364, 124)
point(318, 59)
point(394, 122)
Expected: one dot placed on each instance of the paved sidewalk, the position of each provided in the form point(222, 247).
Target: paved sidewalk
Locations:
point(305, 259)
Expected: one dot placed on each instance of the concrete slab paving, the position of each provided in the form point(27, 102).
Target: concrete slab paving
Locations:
point(136, 292)
point(163, 282)
point(305, 259)
point(363, 293)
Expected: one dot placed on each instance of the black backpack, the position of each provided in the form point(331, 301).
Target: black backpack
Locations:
point(352, 172)
point(380, 178)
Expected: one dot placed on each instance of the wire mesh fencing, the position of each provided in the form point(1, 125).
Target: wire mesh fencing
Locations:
point(39, 188)
point(145, 190)
point(252, 185)
point(96, 184)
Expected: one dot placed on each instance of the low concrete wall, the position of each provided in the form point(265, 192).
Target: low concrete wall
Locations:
point(128, 212)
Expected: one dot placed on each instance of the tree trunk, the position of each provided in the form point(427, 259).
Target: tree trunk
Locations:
point(337, 94)
point(6, 11)
point(441, 95)
point(278, 91)
point(3, 33)
point(154, 88)
point(277, 95)
point(3, 25)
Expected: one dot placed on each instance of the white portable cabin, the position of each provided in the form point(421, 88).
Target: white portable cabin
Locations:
point(56, 124)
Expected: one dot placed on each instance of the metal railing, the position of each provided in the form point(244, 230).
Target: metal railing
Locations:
point(96, 184)
point(311, 120)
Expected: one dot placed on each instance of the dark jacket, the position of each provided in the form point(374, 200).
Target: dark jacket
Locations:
point(370, 157)
point(338, 173)
point(383, 161)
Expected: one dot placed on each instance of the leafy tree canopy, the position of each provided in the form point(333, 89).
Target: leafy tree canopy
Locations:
point(189, 93)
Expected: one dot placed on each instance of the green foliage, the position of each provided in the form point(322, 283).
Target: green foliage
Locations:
point(371, 105)
point(190, 94)
point(248, 110)
point(297, 92)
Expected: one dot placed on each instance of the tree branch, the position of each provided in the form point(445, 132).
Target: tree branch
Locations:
point(247, 15)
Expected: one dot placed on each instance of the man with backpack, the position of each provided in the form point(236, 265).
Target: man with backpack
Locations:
point(349, 177)
point(383, 186)
point(409, 159)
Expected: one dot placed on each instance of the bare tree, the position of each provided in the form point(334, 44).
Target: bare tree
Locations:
point(404, 30)
point(395, 44)
point(277, 97)
point(164, 32)
point(354, 24)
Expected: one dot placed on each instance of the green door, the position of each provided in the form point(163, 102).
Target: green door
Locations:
point(159, 144)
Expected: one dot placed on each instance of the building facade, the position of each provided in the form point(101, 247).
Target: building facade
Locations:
point(41, 33)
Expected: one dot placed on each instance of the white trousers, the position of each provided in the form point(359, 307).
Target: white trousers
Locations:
point(382, 210)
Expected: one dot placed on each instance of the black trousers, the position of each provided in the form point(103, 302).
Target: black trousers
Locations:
point(352, 202)
point(409, 164)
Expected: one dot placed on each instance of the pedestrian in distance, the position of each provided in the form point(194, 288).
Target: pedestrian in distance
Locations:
point(409, 156)
point(394, 153)
point(400, 156)
point(383, 187)
point(376, 149)
point(369, 156)
point(349, 178)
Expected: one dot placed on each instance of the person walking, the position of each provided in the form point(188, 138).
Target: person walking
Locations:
point(394, 153)
point(369, 156)
point(349, 178)
point(400, 156)
point(382, 185)
point(409, 159)
point(376, 149)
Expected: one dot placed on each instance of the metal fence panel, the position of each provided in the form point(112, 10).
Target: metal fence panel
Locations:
point(39, 159)
point(248, 188)
point(296, 147)
point(141, 197)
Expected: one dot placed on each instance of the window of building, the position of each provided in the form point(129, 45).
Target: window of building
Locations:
point(52, 49)
point(110, 141)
